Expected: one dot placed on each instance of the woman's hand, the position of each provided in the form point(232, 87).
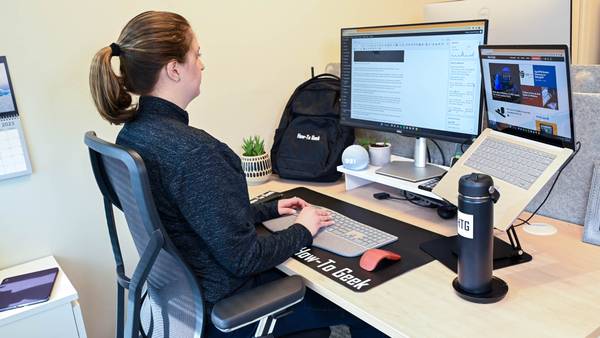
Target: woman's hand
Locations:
point(314, 219)
point(291, 206)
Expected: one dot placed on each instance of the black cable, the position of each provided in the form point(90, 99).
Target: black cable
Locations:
point(578, 145)
point(415, 198)
point(398, 198)
point(386, 196)
point(428, 154)
point(522, 222)
point(441, 152)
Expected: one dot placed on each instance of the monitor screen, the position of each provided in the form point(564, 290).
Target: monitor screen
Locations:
point(419, 80)
point(527, 92)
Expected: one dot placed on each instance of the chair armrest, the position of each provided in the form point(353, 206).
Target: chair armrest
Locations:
point(250, 306)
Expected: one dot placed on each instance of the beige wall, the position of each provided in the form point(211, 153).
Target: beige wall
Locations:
point(256, 53)
point(586, 31)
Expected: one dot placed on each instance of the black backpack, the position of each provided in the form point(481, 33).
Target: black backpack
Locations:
point(309, 141)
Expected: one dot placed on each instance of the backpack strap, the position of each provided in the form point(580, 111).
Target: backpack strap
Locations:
point(326, 75)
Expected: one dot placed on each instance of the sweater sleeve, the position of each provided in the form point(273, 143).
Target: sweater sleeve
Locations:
point(212, 195)
point(264, 211)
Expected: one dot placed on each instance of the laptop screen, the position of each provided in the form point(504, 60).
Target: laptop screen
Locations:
point(527, 92)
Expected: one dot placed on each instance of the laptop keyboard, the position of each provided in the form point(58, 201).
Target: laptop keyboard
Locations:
point(356, 232)
point(510, 162)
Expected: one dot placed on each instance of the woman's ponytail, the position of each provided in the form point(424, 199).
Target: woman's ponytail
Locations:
point(108, 90)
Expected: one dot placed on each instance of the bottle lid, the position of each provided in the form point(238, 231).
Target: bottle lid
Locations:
point(475, 185)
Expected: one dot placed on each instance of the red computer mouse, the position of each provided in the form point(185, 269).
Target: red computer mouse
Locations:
point(371, 258)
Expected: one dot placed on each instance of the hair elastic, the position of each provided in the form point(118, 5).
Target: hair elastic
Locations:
point(115, 50)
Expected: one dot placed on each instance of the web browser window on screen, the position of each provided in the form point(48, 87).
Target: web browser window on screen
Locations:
point(422, 76)
point(528, 90)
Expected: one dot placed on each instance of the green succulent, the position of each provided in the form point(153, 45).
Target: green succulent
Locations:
point(253, 146)
point(364, 142)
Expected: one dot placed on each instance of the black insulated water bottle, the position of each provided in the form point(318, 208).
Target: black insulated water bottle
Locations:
point(475, 220)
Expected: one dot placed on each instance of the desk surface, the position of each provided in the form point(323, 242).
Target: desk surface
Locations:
point(555, 295)
point(63, 291)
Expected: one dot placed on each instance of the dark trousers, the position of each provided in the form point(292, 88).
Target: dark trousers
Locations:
point(311, 313)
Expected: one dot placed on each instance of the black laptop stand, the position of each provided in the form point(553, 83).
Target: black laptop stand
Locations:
point(506, 254)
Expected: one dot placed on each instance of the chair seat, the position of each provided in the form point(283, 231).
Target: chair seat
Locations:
point(249, 306)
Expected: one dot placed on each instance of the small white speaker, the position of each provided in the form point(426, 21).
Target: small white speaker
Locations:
point(355, 157)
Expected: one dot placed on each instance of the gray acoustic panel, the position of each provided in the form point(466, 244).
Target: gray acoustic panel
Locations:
point(585, 79)
point(568, 200)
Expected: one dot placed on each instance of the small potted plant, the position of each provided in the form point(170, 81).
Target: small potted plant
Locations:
point(256, 163)
point(364, 142)
point(380, 153)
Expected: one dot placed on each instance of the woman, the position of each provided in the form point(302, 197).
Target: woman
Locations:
point(197, 182)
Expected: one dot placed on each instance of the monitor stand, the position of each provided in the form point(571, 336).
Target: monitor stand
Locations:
point(413, 171)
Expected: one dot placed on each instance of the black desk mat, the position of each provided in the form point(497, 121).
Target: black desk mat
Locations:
point(346, 271)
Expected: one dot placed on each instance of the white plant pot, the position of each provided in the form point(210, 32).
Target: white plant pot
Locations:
point(256, 168)
point(379, 156)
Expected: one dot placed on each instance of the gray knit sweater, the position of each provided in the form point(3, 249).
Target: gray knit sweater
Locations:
point(201, 195)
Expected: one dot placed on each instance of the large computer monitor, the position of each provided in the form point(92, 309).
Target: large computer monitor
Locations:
point(420, 80)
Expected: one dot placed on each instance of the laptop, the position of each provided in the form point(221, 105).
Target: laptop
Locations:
point(530, 131)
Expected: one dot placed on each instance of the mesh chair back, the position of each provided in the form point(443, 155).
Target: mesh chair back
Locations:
point(174, 294)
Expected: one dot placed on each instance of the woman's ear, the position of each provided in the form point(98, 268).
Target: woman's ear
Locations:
point(173, 70)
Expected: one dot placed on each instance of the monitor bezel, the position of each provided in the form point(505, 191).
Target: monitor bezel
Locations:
point(531, 136)
point(428, 133)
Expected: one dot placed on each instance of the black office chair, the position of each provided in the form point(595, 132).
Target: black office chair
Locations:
point(175, 299)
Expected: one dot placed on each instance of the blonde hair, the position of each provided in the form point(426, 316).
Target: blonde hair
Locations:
point(147, 43)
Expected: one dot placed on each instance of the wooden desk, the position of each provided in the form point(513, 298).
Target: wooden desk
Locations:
point(555, 295)
point(59, 317)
